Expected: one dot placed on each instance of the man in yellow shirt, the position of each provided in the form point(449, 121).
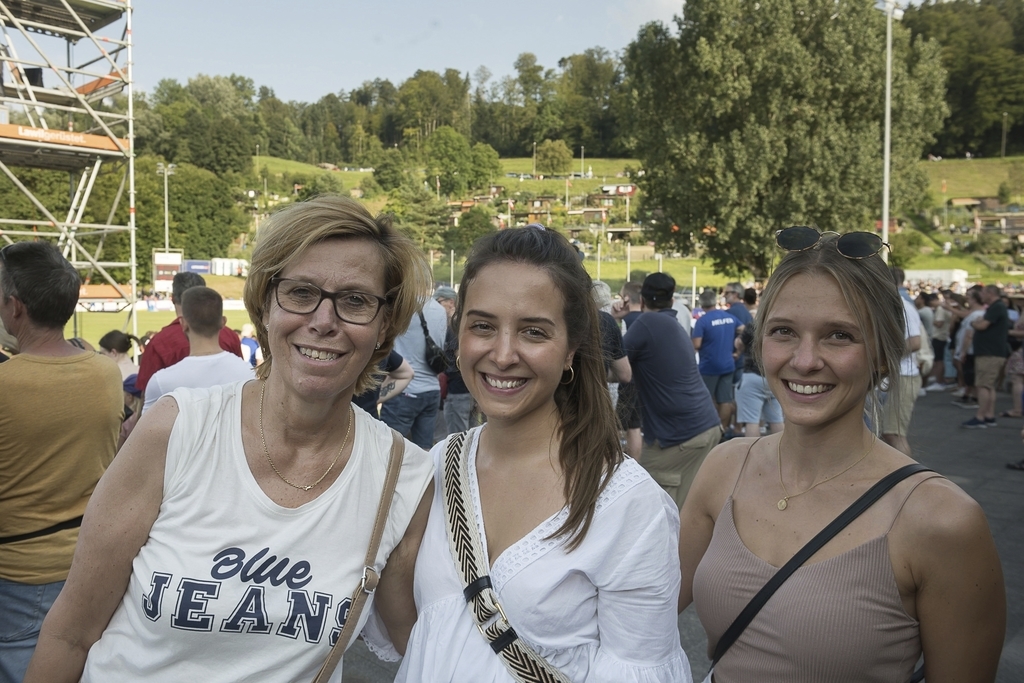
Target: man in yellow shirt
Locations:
point(60, 412)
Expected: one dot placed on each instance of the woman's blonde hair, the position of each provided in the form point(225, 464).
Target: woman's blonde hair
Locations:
point(286, 236)
point(871, 295)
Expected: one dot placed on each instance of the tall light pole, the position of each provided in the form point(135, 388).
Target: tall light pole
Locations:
point(534, 159)
point(890, 9)
point(256, 204)
point(582, 148)
point(166, 171)
point(1003, 154)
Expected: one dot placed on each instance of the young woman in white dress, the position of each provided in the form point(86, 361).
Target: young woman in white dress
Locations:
point(579, 541)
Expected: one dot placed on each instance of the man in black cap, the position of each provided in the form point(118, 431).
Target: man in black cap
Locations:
point(680, 424)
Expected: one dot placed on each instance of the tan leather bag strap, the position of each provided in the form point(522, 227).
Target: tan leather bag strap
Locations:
point(368, 584)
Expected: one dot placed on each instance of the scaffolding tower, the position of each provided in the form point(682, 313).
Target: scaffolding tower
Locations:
point(59, 62)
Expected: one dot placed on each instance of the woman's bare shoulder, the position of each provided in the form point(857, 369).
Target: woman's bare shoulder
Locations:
point(722, 467)
point(732, 454)
point(939, 516)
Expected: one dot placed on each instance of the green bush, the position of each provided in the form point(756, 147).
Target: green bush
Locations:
point(986, 244)
point(1004, 192)
point(370, 187)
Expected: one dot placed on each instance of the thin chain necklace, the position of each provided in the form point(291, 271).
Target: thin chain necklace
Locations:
point(784, 501)
point(266, 452)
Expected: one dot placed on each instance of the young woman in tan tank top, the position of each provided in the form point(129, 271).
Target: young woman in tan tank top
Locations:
point(917, 573)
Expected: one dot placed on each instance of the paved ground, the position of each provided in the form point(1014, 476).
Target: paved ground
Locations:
point(974, 459)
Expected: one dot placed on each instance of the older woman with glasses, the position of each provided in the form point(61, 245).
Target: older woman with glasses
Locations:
point(225, 540)
point(915, 571)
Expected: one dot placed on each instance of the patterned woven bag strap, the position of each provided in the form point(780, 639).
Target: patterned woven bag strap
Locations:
point(525, 665)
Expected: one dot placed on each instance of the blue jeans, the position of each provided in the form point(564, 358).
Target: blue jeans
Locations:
point(413, 416)
point(457, 410)
point(22, 610)
point(755, 399)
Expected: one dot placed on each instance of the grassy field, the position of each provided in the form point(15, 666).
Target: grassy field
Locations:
point(967, 177)
point(614, 272)
point(93, 325)
point(227, 286)
point(605, 171)
point(279, 167)
point(600, 167)
point(964, 177)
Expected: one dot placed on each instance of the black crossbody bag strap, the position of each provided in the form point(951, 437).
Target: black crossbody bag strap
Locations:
point(69, 524)
point(814, 545)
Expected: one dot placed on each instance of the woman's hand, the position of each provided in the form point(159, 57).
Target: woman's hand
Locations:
point(117, 523)
point(394, 600)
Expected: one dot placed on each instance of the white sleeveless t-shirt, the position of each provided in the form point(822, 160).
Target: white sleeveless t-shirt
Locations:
point(231, 586)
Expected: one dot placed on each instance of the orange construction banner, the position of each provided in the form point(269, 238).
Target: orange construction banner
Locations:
point(60, 137)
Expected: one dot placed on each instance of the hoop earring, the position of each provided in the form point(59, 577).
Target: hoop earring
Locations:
point(572, 376)
point(457, 366)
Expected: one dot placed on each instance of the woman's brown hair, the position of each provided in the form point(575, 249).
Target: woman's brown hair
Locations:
point(589, 450)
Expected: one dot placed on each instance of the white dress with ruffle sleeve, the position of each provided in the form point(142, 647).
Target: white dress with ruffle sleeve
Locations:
point(603, 612)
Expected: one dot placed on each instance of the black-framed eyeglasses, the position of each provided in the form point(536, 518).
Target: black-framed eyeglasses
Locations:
point(357, 308)
point(852, 245)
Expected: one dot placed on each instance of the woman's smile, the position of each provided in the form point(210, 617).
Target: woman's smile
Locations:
point(513, 341)
point(813, 351)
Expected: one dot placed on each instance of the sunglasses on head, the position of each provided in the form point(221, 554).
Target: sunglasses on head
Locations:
point(852, 245)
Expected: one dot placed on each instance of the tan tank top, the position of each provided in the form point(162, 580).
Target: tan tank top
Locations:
point(840, 619)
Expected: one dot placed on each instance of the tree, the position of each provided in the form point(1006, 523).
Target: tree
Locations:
point(449, 160)
point(322, 183)
point(588, 88)
point(418, 214)
point(485, 166)
point(205, 216)
point(758, 115)
point(390, 170)
point(430, 100)
point(983, 52)
point(284, 138)
point(553, 157)
point(473, 225)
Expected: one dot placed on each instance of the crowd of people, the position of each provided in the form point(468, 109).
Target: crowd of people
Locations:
point(556, 472)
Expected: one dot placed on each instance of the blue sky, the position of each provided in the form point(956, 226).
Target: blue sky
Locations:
point(304, 49)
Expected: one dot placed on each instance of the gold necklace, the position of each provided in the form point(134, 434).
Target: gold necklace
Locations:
point(274, 467)
point(784, 501)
